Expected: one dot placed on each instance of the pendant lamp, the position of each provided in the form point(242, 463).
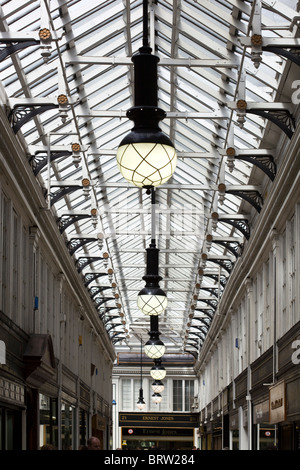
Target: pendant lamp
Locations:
point(158, 372)
point(141, 403)
point(146, 157)
point(154, 348)
point(152, 300)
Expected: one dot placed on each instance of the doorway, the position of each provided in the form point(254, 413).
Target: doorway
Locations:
point(10, 429)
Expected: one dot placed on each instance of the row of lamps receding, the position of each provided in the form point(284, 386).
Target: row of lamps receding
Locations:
point(147, 158)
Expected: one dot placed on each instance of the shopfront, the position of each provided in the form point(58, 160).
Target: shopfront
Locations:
point(165, 431)
point(285, 396)
point(12, 409)
point(265, 435)
point(12, 386)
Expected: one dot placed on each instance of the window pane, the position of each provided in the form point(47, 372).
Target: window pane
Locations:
point(177, 395)
point(188, 394)
point(126, 394)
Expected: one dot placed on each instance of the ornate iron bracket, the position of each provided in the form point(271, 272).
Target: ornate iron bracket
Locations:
point(240, 224)
point(104, 310)
point(106, 299)
point(90, 277)
point(212, 303)
point(293, 54)
point(75, 243)
point(111, 317)
point(18, 46)
point(281, 117)
point(194, 345)
point(82, 262)
point(201, 335)
point(212, 290)
point(40, 159)
point(221, 279)
point(54, 197)
point(20, 115)
point(263, 160)
point(117, 340)
point(95, 290)
point(235, 248)
point(253, 197)
point(195, 355)
point(203, 329)
point(202, 320)
point(278, 113)
point(114, 325)
point(66, 220)
point(209, 312)
point(224, 263)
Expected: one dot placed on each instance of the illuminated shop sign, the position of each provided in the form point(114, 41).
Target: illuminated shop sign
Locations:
point(187, 420)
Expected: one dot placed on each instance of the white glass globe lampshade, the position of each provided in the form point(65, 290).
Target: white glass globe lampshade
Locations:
point(154, 348)
point(158, 386)
point(158, 372)
point(156, 398)
point(152, 301)
point(146, 164)
point(141, 405)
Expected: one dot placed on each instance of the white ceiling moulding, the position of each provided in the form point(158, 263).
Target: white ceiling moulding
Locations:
point(189, 63)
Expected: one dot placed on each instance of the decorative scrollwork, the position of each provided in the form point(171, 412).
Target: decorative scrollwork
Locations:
point(39, 160)
point(240, 224)
point(75, 243)
point(224, 263)
point(95, 290)
point(66, 220)
point(12, 48)
point(281, 117)
point(20, 115)
point(208, 312)
point(82, 262)
point(90, 277)
point(264, 162)
point(54, 197)
point(212, 303)
point(214, 291)
point(253, 197)
point(292, 53)
point(234, 247)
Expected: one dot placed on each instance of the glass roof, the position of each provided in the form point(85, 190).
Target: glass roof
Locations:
point(205, 66)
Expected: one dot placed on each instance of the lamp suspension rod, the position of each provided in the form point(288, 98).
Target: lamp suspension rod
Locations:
point(153, 219)
point(141, 363)
point(145, 23)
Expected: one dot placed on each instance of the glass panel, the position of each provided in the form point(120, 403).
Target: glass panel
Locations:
point(9, 431)
point(177, 395)
point(67, 426)
point(48, 421)
point(126, 394)
point(83, 427)
point(12, 430)
point(188, 394)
